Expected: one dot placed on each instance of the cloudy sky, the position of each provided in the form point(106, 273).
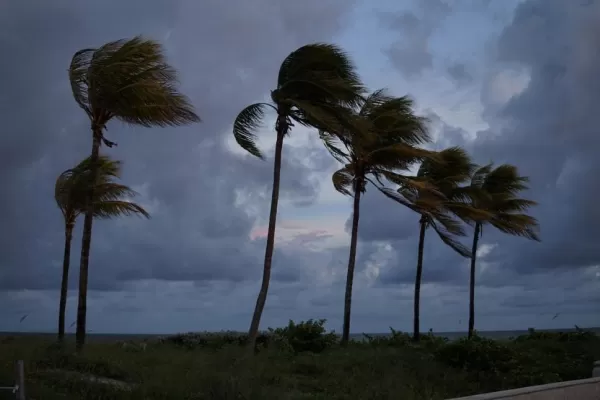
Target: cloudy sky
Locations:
point(512, 81)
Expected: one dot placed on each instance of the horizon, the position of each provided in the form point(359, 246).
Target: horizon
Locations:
point(521, 91)
point(590, 329)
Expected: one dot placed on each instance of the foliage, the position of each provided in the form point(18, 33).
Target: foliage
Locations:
point(403, 339)
point(306, 336)
point(379, 369)
point(130, 80)
point(377, 138)
point(443, 208)
point(496, 192)
point(313, 81)
point(110, 198)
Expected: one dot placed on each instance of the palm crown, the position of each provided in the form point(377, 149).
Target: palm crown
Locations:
point(447, 172)
point(129, 80)
point(71, 189)
point(496, 191)
point(312, 82)
point(378, 137)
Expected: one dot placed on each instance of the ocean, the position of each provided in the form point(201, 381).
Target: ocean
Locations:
point(110, 337)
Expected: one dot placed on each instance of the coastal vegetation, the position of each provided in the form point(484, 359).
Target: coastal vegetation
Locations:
point(298, 361)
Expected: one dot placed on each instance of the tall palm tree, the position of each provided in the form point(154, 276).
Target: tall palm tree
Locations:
point(129, 80)
point(70, 193)
point(313, 80)
point(497, 191)
point(377, 139)
point(441, 210)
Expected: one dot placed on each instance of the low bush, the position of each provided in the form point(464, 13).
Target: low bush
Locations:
point(306, 336)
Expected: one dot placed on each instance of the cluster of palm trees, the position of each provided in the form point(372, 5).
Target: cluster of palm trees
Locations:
point(377, 138)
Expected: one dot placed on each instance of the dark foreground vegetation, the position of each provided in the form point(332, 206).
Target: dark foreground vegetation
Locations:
point(296, 362)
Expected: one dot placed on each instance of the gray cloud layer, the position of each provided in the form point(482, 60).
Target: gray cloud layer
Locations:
point(227, 55)
point(549, 131)
point(194, 256)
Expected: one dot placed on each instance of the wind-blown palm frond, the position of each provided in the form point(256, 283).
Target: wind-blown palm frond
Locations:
point(248, 121)
point(342, 181)
point(129, 80)
point(318, 73)
point(72, 186)
point(498, 189)
point(446, 235)
point(113, 208)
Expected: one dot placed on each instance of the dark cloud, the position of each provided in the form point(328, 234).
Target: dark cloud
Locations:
point(540, 99)
point(459, 73)
point(200, 194)
point(195, 256)
point(375, 207)
point(550, 130)
point(410, 54)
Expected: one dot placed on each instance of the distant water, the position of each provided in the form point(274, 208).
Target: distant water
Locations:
point(110, 337)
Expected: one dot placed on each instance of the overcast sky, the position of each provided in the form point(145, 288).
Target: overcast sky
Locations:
point(511, 81)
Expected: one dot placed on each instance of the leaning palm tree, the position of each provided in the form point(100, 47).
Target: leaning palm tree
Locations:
point(129, 80)
point(377, 139)
point(441, 210)
point(70, 193)
point(313, 80)
point(496, 192)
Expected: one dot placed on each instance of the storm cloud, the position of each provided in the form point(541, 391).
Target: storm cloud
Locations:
point(196, 263)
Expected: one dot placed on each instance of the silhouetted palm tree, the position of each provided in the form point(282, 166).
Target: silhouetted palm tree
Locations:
point(376, 139)
point(312, 81)
point(110, 201)
point(131, 81)
point(496, 193)
point(441, 209)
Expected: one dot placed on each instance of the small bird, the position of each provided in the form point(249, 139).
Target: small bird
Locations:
point(23, 318)
point(556, 316)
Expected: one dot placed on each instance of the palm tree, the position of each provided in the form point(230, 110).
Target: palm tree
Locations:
point(70, 193)
point(131, 81)
point(377, 140)
point(496, 193)
point(447, 172)
point(313, 80)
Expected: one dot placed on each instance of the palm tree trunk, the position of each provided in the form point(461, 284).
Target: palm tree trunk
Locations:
point(87, 240)
point(351, 263)
point(282, 128)
point(64, 285)
point(417, 302)
point(472, 282)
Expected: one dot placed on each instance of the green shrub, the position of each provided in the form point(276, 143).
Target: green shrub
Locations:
point(477, 354)
point(394, 339)
point(305, 336)
point(211, 340)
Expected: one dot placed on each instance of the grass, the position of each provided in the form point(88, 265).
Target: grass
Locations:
point(209, 366)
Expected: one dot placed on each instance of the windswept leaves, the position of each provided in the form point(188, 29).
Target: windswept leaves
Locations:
point(377, 138)
point(110, 198)
point(129, 80)
point(497, 191)
point(343, 181)
point(314, 81)
point(318, 73)
point(246, 123)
